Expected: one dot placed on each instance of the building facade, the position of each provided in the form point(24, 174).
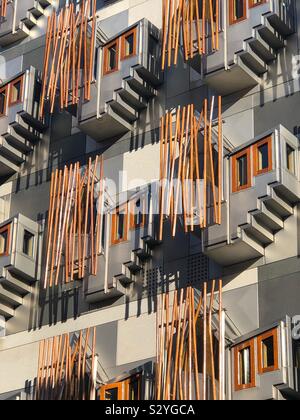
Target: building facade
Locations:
point(150, 189)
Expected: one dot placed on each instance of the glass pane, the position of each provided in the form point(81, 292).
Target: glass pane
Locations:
point(245, 366)
point(263, 157)
point(16, 92)
point(112, 57)
point(239, 9)
point(121, 226)
point(290, 158)
point(129, 45)
point(2, 102)
point(268, 352)
point(134, 390)
point(3, 242)
point(28, 243)
point(111, 394)
point(138, 215)
point(242, 171)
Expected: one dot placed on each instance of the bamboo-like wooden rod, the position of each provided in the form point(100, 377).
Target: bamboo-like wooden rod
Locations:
point(182, 20)
point(66, 367)
point(184, 190)
point(69, 56)
point(71, 219)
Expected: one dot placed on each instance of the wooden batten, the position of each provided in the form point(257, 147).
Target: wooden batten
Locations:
point(179, 344)
point(182, 21)
point(66, 367)
point(69, 56)
point(71, 221)
point(183, 190)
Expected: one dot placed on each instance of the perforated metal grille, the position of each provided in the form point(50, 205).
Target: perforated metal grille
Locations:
point(198, 269)
point(153, 279)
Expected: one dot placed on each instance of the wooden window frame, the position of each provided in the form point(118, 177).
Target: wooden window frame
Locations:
point(235, 158)
point(6, 228)
point(269, 141)
point(237, 350)
point(11, 84)
point(104, 388)
point(127, 383)
point(106, 71)
point(133, 226)
point(232, 20)
point(133, 32)
point(272, 333)
point(114, 240)
point(252, 4)
point(4, 89)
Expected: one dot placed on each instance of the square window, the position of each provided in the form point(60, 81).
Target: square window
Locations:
point(16, 91)
point(137, 215)
point(237, 11)
point(244, 366)
point(3, 101)
point(120, 225)
point(111, 57)
point(28, 244)
point(5, 240)
point(129, 43)
point(241, 171)
point(290, 159)
point(268, 352)
point(262, 152)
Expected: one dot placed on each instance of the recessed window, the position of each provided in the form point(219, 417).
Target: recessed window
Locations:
point(133, 388)
point(129, 41)
point(237, 11)
point(262, 156)
point(111, 57)
point(241, 171)
point(16, 91)
point(120, 225)
point(290, 158)
point(28, 244)
point(244, 366)
point(268, 352)
point(5, 240)
point(137, 215)
point(3, 101)
point(111, 392)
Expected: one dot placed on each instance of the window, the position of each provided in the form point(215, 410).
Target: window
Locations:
point(241, 171)
point(263, 156)
point(244, 366)
point(3, 101)
point(133, 388)
point(28, 244)
point(111, 57)
point(137, 213)
point(5, 240)
point(112, 392)
point(237, 11)
point(128, 389)
point(129, 43)
point(253, 3)
point(268, 352)
point(290, 158)
point(120, 225)
point(16, 91)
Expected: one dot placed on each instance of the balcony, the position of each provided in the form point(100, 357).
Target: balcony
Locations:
point(259, 200)
point(270, 373)
point(21, 18)
point(248, 46)
point(19, 262)
point(128, 75)
point(20, 126)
